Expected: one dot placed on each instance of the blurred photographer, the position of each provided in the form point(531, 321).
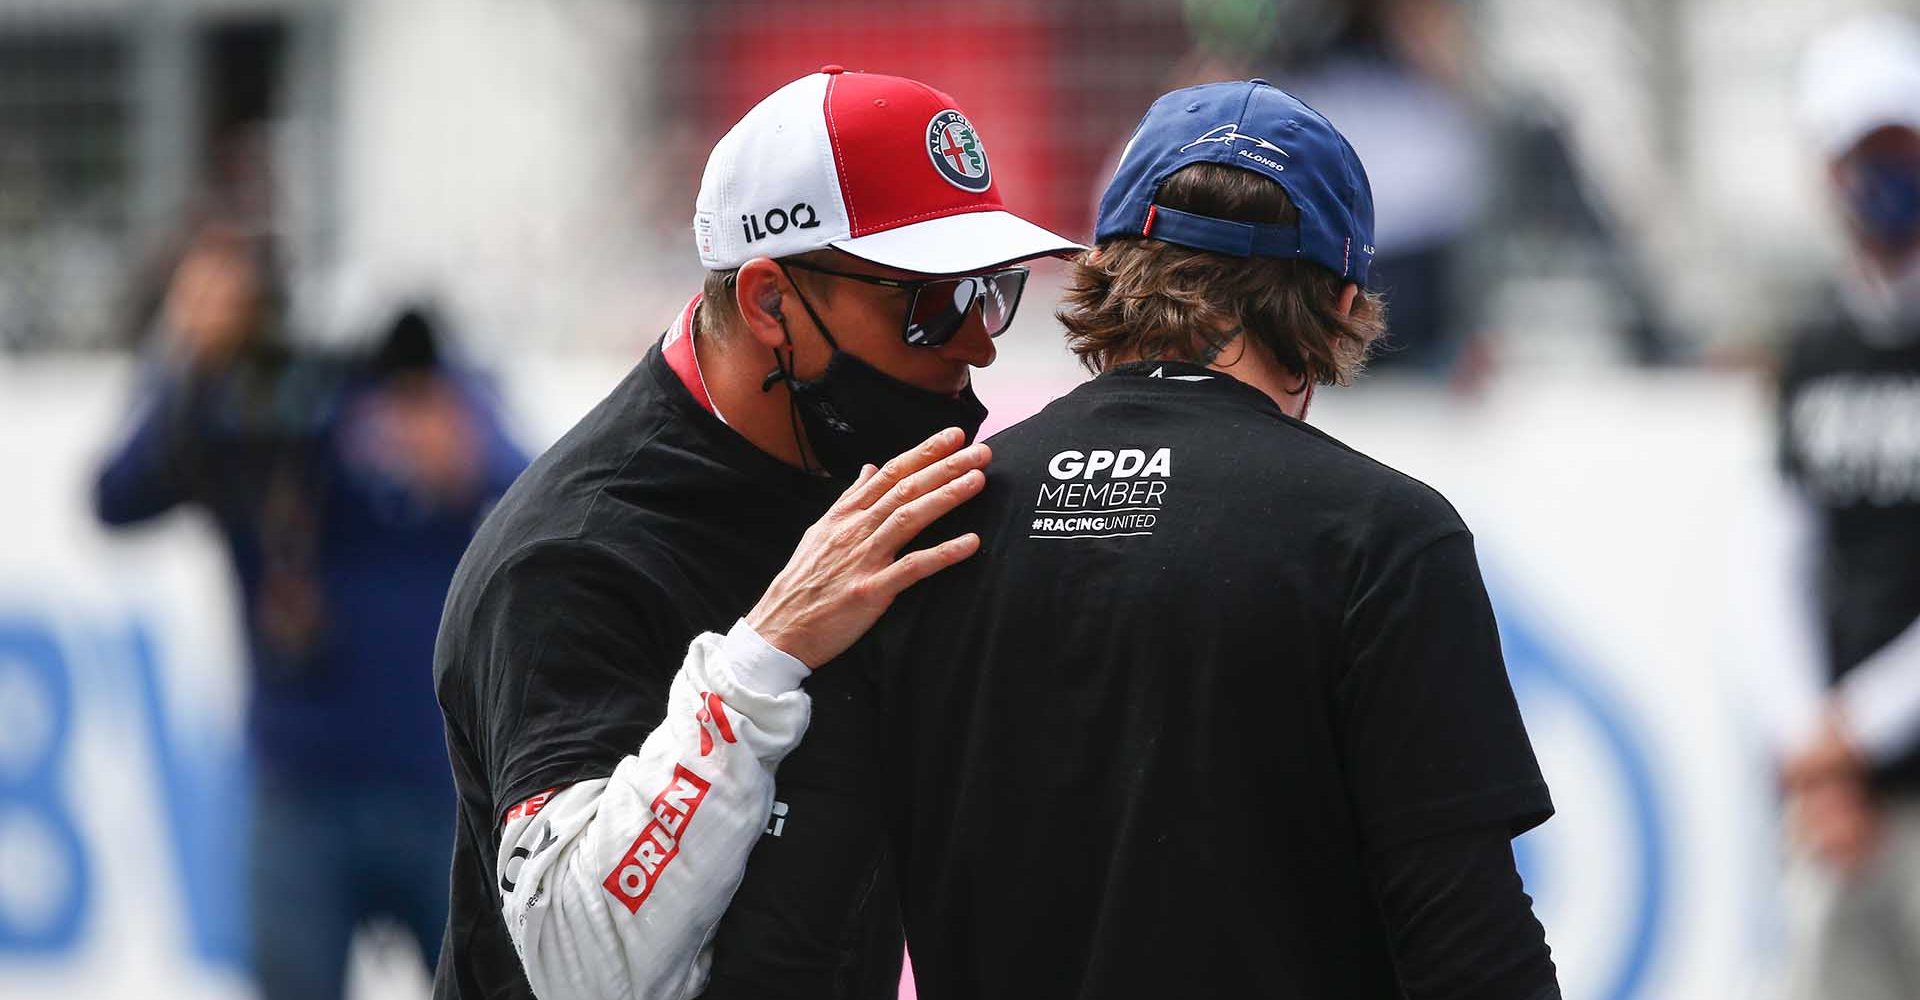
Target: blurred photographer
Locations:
point(346, 490)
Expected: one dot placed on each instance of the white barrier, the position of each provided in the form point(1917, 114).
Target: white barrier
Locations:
point(1605, 508)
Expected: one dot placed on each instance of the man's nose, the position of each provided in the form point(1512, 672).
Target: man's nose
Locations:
point(971, 344)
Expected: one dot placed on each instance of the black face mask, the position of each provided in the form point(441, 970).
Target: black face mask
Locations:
point(856, 415)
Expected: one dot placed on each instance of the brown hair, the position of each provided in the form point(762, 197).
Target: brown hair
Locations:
point(1134, 297)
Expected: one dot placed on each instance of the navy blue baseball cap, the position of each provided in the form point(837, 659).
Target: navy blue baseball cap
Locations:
point(1255, 126)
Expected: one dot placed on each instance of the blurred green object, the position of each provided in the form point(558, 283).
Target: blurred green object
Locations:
point(1232, 27)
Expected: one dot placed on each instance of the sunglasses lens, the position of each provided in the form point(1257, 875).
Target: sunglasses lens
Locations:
point(938, 310)
point(940, 307)
point(999, 299)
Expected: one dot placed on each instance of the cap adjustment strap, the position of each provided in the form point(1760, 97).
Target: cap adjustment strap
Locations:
point(1235, 239)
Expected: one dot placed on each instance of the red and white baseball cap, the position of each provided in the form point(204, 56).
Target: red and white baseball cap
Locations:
point(885, 168)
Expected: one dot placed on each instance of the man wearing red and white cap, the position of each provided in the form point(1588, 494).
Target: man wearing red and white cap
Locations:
point(614, 780)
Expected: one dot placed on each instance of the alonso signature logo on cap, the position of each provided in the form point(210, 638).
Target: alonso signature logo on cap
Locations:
point(1230, 133)
point(957, 153)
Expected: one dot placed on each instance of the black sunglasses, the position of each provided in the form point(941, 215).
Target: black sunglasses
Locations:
point(938, 307)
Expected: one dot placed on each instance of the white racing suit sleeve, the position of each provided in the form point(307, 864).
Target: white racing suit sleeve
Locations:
point(1880, 698)
point(612, 888)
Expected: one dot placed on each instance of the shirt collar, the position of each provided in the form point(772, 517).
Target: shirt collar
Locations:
point(1179, 371)
point(685, 361)
point(1184, 374)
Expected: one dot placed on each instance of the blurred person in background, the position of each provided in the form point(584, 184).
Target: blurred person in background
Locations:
point(1850, 448)
point(1477, 187)
point(1394, 75)
point(346, 490)
point(1220, 708)
point(624, 662)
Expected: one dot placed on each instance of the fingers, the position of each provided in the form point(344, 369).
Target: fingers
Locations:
point(901, 466)
point(848, 497)
point(927, 480)
point(917, 566)
point(912, 518)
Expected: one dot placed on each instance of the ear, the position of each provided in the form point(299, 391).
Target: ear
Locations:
point(760, 292)
point(1348, 294)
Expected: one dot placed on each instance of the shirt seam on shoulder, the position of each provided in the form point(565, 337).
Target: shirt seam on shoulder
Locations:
point(1399, 565)
point(600, 488)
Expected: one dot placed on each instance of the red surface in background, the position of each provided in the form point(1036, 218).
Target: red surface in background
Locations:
point(994, 60)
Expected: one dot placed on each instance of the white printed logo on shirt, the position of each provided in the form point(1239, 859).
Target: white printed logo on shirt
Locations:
point(1102, 493)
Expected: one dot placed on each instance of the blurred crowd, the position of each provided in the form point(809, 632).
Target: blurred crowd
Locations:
point(1491, 202)
point(346, 468)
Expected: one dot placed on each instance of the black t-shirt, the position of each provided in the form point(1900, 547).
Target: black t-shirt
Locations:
point(647, 524)
point(1850, 438)
point(1207, 660)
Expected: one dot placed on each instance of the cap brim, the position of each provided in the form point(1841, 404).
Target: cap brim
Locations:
point(959, 244)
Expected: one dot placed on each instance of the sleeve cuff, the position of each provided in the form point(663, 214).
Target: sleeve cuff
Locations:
point(1521, 806)
point(757, 665)
point(1882, 709)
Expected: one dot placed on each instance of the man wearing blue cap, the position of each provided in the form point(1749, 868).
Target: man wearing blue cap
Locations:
point(1219, 709)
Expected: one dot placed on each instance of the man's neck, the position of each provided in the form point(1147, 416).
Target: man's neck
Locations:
point(735, 366)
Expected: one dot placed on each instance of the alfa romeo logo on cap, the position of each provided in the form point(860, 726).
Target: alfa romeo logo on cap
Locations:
point(956, 152)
